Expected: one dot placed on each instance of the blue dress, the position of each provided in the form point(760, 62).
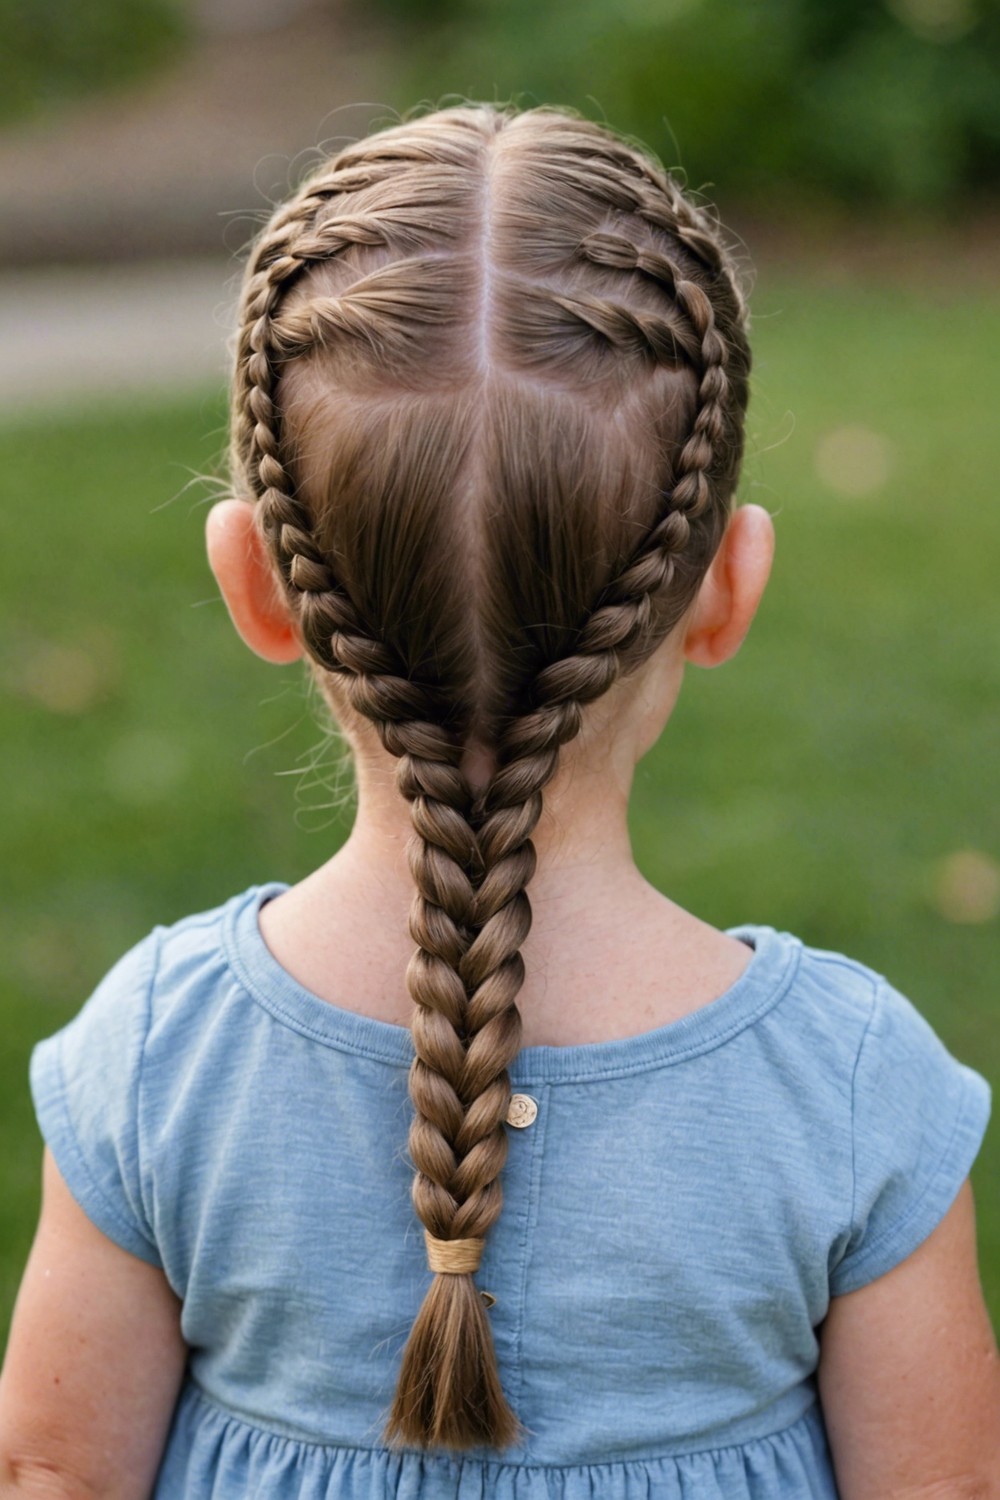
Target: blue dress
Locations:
point(676, 1218)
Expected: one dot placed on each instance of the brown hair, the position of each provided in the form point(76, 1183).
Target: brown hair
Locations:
point(489, 393)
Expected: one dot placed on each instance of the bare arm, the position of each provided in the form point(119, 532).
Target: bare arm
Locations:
point(909, 1376)
point(93, 1367)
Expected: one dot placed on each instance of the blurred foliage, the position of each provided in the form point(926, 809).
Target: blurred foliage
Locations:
point(56, 50)
point(874, 100)
point(832, 779)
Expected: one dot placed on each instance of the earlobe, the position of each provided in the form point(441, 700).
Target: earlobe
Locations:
point(243, 571)
point(732, 588)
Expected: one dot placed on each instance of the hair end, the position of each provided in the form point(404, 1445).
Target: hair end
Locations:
point(449, 1393)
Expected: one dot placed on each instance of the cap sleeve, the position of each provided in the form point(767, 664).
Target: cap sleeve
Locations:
point(919, 1117)
point(85, 1087)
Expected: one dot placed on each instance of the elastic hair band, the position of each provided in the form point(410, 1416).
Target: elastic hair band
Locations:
point(453, 1257)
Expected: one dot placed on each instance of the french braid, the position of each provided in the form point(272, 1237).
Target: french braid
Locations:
point(621, 621)
point(457, 1140)
point(369, 277)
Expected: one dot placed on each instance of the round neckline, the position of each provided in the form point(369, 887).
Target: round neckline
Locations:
point(766, 978)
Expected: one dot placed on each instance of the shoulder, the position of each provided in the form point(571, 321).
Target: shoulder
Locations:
point(197, 993)
point(841, 1023)
point(201, 952)
point(836, 994)
point(917, 1113)
point(101, 1084)
point(865, 1087)
point(856, 1004)
point(846, 986)
point(204, 935)
point(822, 1001)
point(147, 998)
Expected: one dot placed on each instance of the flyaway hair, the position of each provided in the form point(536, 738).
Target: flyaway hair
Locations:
point(490, 383)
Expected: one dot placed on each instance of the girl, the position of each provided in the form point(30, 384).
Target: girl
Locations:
point(690, 1215)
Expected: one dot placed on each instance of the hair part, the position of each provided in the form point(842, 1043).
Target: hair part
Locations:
point(489, 393)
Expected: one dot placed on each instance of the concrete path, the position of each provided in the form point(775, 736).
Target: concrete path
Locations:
point(71, 337)
point(188, 160)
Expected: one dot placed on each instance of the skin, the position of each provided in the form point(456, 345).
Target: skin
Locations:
point(909, 1375)
point(587, 889)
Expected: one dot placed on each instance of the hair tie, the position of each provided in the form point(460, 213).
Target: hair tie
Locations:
point(453, 1257)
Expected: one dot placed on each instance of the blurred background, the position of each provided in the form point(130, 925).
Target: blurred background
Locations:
point(838, 779)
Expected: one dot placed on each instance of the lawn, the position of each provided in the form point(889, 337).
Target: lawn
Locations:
point(838, 779)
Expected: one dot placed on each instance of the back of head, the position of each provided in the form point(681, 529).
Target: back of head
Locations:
point(489, 393)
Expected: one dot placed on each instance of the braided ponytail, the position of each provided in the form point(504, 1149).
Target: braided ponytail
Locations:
point(493, 437)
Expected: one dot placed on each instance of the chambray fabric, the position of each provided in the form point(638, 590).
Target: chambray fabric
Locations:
point(675, 1220)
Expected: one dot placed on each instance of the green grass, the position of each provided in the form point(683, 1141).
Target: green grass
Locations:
point(815, 783)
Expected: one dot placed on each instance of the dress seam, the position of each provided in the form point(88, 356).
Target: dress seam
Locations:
point(862, 1258)
point(140, 1147)
point(854, 1080)
point(127, 1230)
point(253, 1425)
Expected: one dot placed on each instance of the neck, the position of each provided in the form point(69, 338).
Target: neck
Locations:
point(584, 981)
point(581, 839)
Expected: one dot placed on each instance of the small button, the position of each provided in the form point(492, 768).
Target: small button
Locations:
point(522, 1110)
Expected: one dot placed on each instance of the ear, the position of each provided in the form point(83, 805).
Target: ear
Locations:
point(246, 579)
point(731, 590)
